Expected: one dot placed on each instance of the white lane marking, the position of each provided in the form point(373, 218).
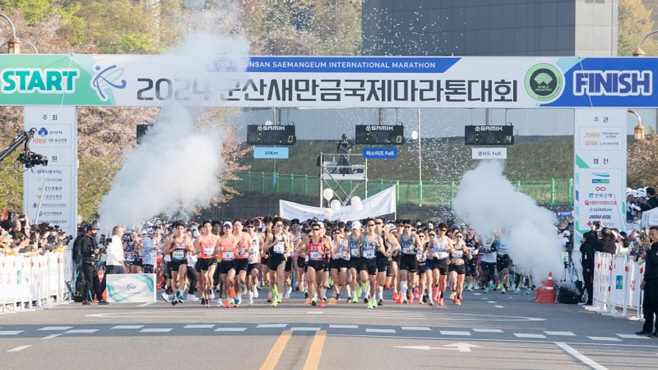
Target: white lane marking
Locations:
point(605, 339)
point(81, 331)
point(388, 331)
point(526, 335)
point(454, 332)
point(343, 326)
point(145, 304)
point(561, 333)
point(632, 336)
point(51, 336)
point(584, 359)
point(315, 312)
point(305, 329)
point(498, 306)
point(416, 328)
point(19, 348)
point(491, 301)
point(487, 330)
point(476, 293)
point(156, 330)
point(199, 326)
point(56, 328)
point(230, 329)
point(127, 327)
point(271, 325)
point(11, 332)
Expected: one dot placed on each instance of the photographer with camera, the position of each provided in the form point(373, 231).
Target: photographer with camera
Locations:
point(344, 147)
point(90, 255)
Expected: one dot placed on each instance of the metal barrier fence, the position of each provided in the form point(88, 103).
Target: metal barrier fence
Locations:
point(617, 285)
point(556, 192)
point(31, 282)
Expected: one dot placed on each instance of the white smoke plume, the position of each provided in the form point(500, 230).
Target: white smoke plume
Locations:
point(176, 167)
point(489, 202)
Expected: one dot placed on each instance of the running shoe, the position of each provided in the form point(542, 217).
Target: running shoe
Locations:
point(486, 290)
point(203, 301)
point(399, 300)
point(275, 302)
point(275, 289)
point(380, 302)
point(179, 297)
point(455, 300)
point(459, 302)
point(424, 299)
point(238, 301)
point(191, 297)
point(305, 294)
point(441, 302)
point(499, 286)
point(355, 299)
point(416, 293)
point(431, 303)
point(232, 293)
point(337, 296)
point(411, 298)
point(503, 291)
point(321, 304)
point(314, 303)
point(349, 299)
point(227, 303)
point(255, 290)
point(453, 295)
point(365, 300)
point(207, 303)
point(165, 297)
point(517, 291)
point(279, 298)
point(324, 298)
point(527, 292)
point(395, 296)
point(287, 294)
point(269, 298)
point(405, 301)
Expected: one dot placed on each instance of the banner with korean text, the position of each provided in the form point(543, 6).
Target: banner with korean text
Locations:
point(328, 81)
point(599, 169)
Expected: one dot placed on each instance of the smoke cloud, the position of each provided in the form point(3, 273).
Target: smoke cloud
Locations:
point(176, 168)
point(489, 202)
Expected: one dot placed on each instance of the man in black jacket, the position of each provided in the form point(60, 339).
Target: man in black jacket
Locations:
point(650, 286)
point(652, 202)
point(587, 249)
point(90, 251)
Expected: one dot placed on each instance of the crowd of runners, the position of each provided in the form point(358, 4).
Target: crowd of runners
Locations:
point(422, 263)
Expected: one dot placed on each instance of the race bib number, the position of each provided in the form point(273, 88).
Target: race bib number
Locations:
point(228, 255)
point(208, 251)
point(316, 256)
point(178, 254)
point(354, 251)
point(130, 257)
point(370, 254)
point(279, 248)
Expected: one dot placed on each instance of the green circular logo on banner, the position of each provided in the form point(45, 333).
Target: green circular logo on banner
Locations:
point(544, 82)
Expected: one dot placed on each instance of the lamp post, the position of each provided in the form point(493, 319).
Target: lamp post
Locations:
point(638, 132)
point(639, 52)
point(415, 135)
point(14, 43)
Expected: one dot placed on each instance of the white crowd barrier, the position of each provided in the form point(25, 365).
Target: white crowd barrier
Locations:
point(31, 282)
point(617, 285)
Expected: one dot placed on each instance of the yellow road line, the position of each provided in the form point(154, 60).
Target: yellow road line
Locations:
point(277, 350)
point(313, 359)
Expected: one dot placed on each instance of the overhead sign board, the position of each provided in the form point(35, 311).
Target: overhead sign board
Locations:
point(489, 135)
point(380, 153)
point(489, 153)
point(379, 134)
point(266, 152)
point(328, 81)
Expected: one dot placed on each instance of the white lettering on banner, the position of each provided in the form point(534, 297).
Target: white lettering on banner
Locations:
point(46, 81)
point(613, 83)
point(50, 192)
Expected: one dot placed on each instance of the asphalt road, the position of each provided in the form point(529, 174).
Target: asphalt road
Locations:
point(491, 331)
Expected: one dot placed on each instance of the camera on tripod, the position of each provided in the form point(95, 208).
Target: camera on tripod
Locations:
point(30, 159)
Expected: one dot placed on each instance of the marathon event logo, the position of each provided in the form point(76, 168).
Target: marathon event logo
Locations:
point(544, 82)
point(43, 132)
point(107, 79)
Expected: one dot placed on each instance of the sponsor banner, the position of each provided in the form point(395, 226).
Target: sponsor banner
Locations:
point(315, 81)
point(599, 168)
point(50, 192)
point(380, 153)
point(270, 152)
point(489, 153)
point(122, 288)
point(382, 203)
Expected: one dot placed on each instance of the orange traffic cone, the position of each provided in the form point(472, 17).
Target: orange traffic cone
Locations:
point(546, 293)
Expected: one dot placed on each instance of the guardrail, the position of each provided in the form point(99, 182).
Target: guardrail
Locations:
point(556, 192)
point(32, 282)
point(617, 285)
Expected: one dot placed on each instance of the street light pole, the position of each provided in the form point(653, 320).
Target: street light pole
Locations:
point(14, 43)
point(639, 52)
